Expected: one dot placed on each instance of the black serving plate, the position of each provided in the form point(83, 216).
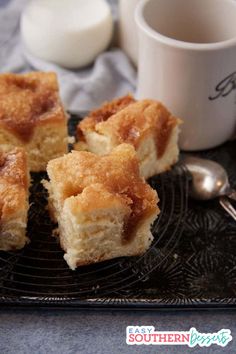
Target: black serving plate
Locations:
point(191, 263)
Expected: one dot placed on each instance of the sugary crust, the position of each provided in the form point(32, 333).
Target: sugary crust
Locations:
point(103, 114)
point(14, 182)
point(29, 100)
point(84, 202)
point(139, 120)
point(118, 172)
point(132, 123)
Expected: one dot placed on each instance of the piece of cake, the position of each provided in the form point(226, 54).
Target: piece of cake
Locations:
point(32, 117)
point(14, 204)
point(103, 207)
point(146, 124)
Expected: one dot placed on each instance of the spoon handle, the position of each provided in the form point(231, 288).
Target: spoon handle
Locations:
point(232, 194)
point(225, 203)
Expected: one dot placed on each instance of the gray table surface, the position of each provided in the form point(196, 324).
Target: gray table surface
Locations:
point(87, 332)
point(102, 332)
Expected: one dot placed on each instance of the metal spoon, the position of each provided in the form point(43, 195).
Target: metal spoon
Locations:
point(209, 181)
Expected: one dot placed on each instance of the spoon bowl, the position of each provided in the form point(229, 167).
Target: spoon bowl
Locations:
point(209, 179)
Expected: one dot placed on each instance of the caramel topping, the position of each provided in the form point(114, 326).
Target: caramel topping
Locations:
point(163, 133)
point(128, 121)
point(102, 114)
point(26, 99)
point(14, 181)
point(139, 211)
point(118, 172)
point(138, 120)
point(13, 167)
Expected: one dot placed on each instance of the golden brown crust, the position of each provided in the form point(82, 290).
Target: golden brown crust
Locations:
point(84, 202)
point(27, 100)
point(118, 172)
point(133, 122)
point(103, 113)
point(14, 182)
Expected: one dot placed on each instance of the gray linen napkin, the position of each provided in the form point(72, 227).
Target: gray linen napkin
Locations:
point(111, 75)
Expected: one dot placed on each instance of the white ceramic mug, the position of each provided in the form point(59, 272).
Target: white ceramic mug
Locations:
point(187, 60)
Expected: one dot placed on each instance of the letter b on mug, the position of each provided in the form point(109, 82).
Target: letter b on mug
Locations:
point(187, 60)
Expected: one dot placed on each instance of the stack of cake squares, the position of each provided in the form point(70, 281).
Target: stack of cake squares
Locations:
point(97, 194)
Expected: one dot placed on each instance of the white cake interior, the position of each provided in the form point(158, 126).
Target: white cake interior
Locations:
point(147, 153)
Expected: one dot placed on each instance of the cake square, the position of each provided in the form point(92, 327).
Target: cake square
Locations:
point(145, 124)
point(32, 117)
point(14, 203)
point(103, 207)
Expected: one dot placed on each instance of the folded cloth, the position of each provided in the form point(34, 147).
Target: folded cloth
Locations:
point(110, 76)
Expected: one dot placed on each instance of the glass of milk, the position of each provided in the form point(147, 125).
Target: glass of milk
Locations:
point(70, 33)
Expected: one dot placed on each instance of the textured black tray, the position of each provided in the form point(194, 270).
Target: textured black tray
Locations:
point(191, 264)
